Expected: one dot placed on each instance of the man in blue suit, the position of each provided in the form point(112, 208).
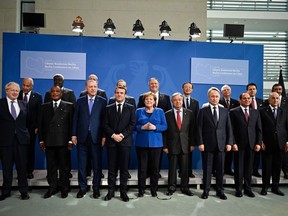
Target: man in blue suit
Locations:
point(14, 140)
point(214, 137)
point(87, 133)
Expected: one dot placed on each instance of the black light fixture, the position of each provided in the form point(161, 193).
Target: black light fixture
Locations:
point(78, 25)
point(164, 30)
point(109, 27)
point(194, 31)
point(138, 29)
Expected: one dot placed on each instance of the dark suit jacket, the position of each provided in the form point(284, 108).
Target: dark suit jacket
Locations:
point(128, 99)
point(194, 106)
point(214, 137)
point(9, 127)
point(125, 124)
point(67, 95)
point(100, 92)
point(283, 103)
point(81, 119)
point(274, 131)
point(246, 134)
point(176, 140)
point(163, 102)
point(55, 128)
point(233, 103)
point(34, 107)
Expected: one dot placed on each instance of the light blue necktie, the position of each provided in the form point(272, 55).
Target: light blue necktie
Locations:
point(91, 102)
point(13, 110)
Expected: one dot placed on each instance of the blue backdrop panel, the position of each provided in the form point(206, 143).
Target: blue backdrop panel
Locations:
point(134, 60)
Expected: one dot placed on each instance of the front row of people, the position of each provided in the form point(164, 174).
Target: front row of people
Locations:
point(93, 125)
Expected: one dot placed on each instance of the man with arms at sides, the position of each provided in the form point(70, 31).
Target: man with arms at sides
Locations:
point(67, 94)
point(162, 101)
point(179, 141)
point(100, 92)
point(256, 103)
point(275, 143)
point(229, 103)
point(214, 137)
point(193, 105)
point(120, 122)
point(55, 126)
point(247, 130)
point(87, 133)
point(14, 140)
point(34, 101)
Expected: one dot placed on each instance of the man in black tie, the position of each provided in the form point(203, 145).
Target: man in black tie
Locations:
point(214, 137)
point(193, 105)
point(247, 130)
point(14, 140)
point(34, 101)
point(229, 103)
point(256, 103)
point(275, 143)
point(179, 141)
point(120, 122)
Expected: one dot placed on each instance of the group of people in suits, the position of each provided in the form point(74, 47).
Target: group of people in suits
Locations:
point(224, 125)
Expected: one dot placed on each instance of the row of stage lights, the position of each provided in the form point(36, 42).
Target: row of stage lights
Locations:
point(138, 29)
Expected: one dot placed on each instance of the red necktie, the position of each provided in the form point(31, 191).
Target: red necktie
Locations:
point(228, 104)
point(253, 103)
point(178, 120)
point(25, 98)
point(246, 115)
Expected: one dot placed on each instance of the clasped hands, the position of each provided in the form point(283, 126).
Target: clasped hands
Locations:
point(148, 126)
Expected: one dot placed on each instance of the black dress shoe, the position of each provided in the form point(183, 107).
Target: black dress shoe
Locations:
point(64, 194)
point(285, 176)
point(263, 192)
point(239, 194)
point(96, 194)
point(192, 175)
point(30, 176)
point(81, 193)
point(129, 176)
point(25, 196)
point(49, 193)
point(221, 195)
point(109, 196)
point(249, 193)
point(140, 193)
point(187, 192)
point(277, 191)
point(124, 197)
point(153, 193)
point(4, 196)
point(102, 175)
point(204, 195)
point(256, 174)
point(169, 193)
point(88, 173)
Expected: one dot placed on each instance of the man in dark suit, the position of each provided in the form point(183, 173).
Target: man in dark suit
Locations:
point(87, 133)
point(14, 140)
point(34, 101)
point(275, 143)
point(256, 103)
point(229, 103)
point(193, 105)
point(67, 94)
point(55, 125)
point(247, 130)
point(120, 122)
point(162, 101)
point(179, 141)
point(214, 136)
point(100, 92)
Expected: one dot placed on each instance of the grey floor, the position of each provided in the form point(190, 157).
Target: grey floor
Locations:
point(179, 204)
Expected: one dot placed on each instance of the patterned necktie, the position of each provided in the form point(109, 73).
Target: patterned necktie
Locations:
point(246, 115)
point(215, 115)
point(91, 102)
point(25, 98)
point(13, 110)
point(179, 123)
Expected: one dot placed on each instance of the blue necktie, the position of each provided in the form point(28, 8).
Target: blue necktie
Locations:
point(13, 110)
point(91, 102)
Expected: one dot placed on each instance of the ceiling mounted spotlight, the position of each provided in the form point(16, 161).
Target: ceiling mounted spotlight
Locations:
point(78, 25)
point(109, 27)
point(138, 29)
point(194, 31)
point(164, 30)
